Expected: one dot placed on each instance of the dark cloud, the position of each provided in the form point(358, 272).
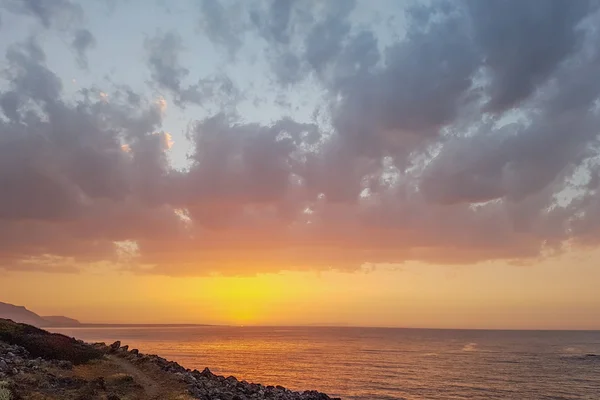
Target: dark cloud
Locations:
point(163, 60)
point(60, 14)
point(9, 102)
point(523, 43)
point(275, 23)
point(66, 171)
point(83, 40)
point(557, 132)
point(420, 89)
point(224, 25)
point(29, 77)
point(302, 37)
point(324, 42)
point(471, 137)
point(244, 163)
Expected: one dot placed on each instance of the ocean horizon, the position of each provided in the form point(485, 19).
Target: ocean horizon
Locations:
point(359, 363)
point(192, 325)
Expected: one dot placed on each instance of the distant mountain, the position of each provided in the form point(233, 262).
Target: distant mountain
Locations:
point(21, 314)
point(58, 320)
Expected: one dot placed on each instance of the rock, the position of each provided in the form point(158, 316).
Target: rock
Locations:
point(65, 364)
point(143, 359)
point(101, 346)
point(205, 385)
point(100, 383)
point(115, 346)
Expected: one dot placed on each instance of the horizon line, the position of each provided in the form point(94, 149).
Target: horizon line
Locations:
point(349, 326)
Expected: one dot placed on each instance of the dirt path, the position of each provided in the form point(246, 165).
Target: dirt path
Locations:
point(152, 389)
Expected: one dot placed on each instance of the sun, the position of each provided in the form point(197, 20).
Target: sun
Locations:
point(244, 315)
point(243, 299)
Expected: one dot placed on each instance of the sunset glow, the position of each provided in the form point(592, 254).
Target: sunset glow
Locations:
point(480, 296)
point(390, 164)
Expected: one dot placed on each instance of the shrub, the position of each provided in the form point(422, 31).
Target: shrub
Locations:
point(40, 343)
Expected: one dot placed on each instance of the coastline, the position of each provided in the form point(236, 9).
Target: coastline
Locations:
point(35, 363)
point(206, 385)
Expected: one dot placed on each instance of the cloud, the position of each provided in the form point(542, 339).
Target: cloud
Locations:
point(56, 13)
point(514, 36)
point(301, 40)
point(64, 16)
point(274, 24)
point(163, 52)
point(464, 139)
point(421, 87)
point(68, 181)
point(223, 25)
point(555, 134)
point(83, 40)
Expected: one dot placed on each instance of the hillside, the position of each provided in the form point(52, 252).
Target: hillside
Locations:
point(21, 314)
point(35, 364)
point(25, 316)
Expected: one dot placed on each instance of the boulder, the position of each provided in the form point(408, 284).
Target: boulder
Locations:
point(65, 364)
point(115, 346)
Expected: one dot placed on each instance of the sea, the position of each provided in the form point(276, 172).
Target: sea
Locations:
point(381, 364)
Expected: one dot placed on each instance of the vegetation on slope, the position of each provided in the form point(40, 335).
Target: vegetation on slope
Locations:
point(40, 343)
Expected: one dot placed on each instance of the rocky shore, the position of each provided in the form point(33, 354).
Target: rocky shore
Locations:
point(207, 386)
point(115, 372)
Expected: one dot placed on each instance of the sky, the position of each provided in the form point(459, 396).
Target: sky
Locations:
point(281, 162)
